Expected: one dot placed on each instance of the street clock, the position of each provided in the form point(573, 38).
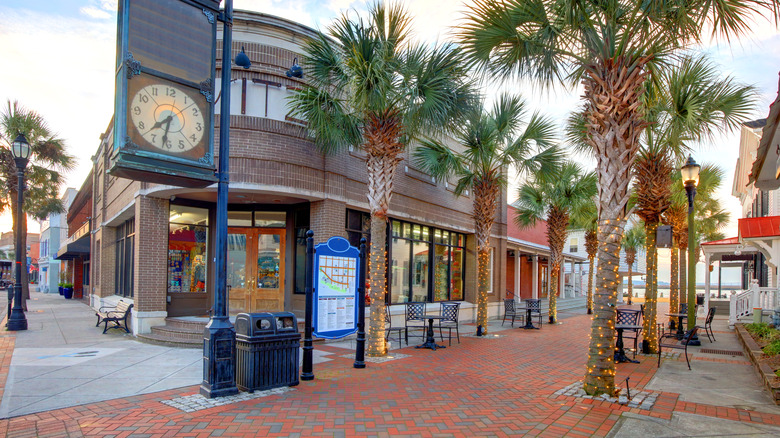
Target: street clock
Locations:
point(164, 103)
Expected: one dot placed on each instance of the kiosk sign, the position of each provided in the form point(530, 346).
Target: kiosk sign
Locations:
point(336, 268)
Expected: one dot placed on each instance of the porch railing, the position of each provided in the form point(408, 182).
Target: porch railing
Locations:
point(742, 303)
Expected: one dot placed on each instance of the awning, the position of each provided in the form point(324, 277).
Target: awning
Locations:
point(758, 227)
point(73, 250)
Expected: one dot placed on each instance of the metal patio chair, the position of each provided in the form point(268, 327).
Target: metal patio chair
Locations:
point(414, 319)
point(449, 319)
point(629, 317)
point(509, 311)
point(390, 329)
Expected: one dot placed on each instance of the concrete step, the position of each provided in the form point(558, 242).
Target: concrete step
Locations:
point(194, 325)
point(157, 339)
point(177, 333)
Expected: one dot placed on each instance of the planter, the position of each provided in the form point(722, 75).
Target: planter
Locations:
point(754, 352)
point(61, 290)
point(67, 292)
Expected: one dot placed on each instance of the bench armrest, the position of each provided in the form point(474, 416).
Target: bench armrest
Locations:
point(105, 308)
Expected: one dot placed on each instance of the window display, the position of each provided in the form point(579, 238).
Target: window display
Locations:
point(187, 251)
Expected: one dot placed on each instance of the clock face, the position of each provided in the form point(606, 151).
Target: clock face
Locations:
point(167, 117)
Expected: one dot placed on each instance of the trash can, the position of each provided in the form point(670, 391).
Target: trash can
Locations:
point(267, 350)
point(700, 299)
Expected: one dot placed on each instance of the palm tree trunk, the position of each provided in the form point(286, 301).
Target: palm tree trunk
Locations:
point(591, 266)
point(377, 269)
point(683, 276)
point(630, 282)
point(674, 285)
point(649, 334)
point(381, 165)
point(557, 223)
point(485, 204)
point(614, 122)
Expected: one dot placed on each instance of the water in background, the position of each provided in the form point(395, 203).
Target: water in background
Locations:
point(663, 291)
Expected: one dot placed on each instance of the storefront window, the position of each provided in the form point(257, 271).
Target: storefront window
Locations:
point(411, 259)
point(125, 251)
point(270, 219)
point(399, 274)
point(239, 218)
point(187, 250)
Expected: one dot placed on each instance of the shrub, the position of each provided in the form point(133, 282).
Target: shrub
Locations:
point(773, 348)
point(760, 330)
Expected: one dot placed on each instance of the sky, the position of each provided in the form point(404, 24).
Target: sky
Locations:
point(59, 57)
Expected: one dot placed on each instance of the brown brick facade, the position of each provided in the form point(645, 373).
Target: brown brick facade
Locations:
point(151, 253)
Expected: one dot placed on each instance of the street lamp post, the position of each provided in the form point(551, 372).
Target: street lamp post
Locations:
point(219, 377)
point(690, 178)
point(21, 151)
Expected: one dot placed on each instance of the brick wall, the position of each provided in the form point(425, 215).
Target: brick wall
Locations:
point(151, 252)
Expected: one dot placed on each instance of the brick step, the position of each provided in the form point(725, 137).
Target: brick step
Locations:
point(157, 339)
point(194, 325)
point(178, 334)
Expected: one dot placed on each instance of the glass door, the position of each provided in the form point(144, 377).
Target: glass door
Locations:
point(256, 269)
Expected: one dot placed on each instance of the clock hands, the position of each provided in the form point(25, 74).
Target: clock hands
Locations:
point(167, 127)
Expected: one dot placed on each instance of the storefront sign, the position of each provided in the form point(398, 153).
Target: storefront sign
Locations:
point(336, 267)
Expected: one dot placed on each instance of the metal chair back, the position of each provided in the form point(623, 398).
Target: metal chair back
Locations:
point(534, 304)
point(628, 317)
point(710, 316)
point(509, 305)
point(449, 312)
point(415, 311)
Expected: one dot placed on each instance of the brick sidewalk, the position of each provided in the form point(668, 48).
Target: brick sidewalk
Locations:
point(482, 387)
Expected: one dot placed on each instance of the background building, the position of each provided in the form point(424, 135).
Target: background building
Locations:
point(153, 244)
point(54, 230)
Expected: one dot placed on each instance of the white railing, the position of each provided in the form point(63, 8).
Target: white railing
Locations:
point(743, 303)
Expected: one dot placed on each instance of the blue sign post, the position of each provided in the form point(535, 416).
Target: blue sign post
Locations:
point(336, 294)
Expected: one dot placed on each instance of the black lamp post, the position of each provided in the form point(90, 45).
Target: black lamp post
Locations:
point(690, 178)
point(21, 151)
point(219, 355)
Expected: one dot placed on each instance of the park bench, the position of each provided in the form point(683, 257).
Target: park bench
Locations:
point(115, 315)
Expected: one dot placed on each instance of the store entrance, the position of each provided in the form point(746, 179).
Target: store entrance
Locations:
point(255, 269)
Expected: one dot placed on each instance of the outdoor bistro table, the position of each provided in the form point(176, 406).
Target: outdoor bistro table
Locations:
point(679, 316)
point(528, 323)
point(620, 353)
point(430, 342)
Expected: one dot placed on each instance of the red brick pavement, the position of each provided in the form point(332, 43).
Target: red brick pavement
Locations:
point(481, 387)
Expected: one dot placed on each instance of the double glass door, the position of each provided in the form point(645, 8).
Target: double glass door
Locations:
point(255, 269)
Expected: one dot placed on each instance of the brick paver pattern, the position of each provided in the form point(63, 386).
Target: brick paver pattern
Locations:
point(480, 387)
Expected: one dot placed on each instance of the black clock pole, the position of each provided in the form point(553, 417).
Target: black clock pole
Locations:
point(219, 355)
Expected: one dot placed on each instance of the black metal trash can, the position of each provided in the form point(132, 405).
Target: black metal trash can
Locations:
point(267, 350)
point(700, 299)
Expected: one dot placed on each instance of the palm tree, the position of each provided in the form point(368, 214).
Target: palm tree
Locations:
point(586, 218)
point(611, 48)
point(369, 87)
point(632, 240)
point(676, 216)
point(48, 158)
point(653, 172)
point(491, 143)
point(553, 198)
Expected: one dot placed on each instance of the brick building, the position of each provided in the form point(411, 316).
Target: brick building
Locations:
point(153, 244)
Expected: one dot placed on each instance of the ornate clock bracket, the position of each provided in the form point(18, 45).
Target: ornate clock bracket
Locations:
point(207, 90)
point(209, 15)
point(133, 66)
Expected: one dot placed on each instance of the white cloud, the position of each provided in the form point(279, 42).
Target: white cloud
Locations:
point(94, 12)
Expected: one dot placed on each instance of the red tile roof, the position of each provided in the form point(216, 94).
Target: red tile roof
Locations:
point(729, 241)
point(753, 227)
